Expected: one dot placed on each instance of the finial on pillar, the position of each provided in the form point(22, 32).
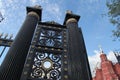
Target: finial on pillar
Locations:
point(1, 34)
point(71, 17)
point(11, 36)
point(69, 12)
point(37, 7)
point(6, 35)
point(101, 50)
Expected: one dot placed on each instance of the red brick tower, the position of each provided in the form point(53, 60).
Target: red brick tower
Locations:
point(108, 71)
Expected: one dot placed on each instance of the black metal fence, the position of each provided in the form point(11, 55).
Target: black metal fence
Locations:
point(5, 41)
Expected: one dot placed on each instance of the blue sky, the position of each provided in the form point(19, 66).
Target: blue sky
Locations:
point(96, 28)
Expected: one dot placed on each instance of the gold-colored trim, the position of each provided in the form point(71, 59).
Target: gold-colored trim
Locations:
point(1, 41)
point(59, 49)
point(39, 47)
point(65, 69)
point(52, 49)
point(65, 45)
point(65, 62)
point(46, 48)
point(65, 50)
point(9, 43)
point(64, 40)
point(65, 56)
point(71, 20)
point(33, 14)
point(65, 76)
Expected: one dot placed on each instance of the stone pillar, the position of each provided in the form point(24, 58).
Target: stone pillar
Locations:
point(13, 63)
point(78, 67)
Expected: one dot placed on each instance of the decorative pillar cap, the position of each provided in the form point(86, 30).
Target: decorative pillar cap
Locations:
point(71, 20)
point(70, 15)
point(36, 9)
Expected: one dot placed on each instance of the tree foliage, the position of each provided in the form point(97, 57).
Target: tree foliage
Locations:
point(114, 14)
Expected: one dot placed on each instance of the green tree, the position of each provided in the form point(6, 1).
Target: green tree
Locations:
point(114, 14)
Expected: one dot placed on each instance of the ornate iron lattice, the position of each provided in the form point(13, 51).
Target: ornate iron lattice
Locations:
point(52, 38)
point(46, 66)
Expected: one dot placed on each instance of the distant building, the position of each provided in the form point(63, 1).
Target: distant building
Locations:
point(108, 70)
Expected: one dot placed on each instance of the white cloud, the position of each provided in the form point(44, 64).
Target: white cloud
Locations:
point(10, 1)
point(111, 57)
point(0, 3)
point(53, 9)
point(34, 2)
point(2, 10)
point(94, 60)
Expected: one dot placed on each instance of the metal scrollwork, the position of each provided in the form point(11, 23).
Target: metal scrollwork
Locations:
point(41, 56)
point(38, 73)
point(51, 38)
point(42, 70)
point(55, 58)
point(55, 74)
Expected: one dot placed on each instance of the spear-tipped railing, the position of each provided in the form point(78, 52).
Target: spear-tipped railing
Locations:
point(5, 41)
